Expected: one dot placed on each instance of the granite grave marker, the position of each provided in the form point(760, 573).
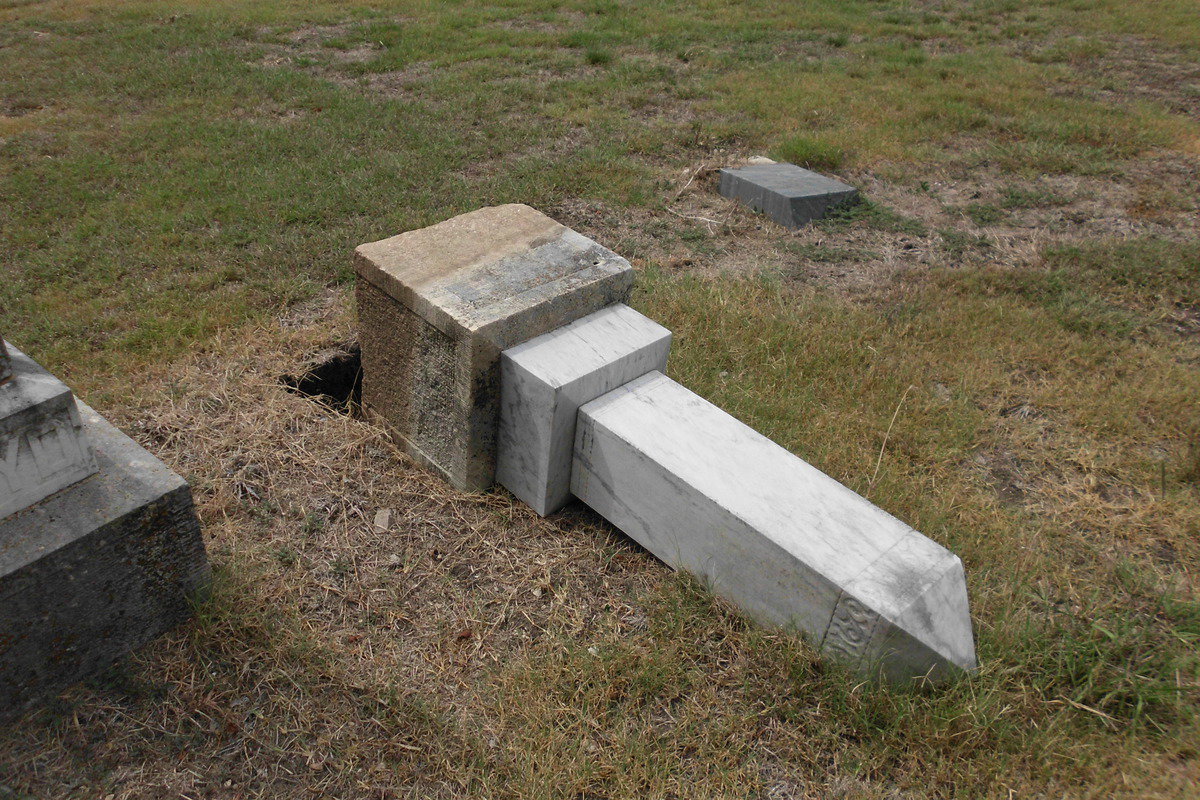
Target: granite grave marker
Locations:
point(790, 195)
point(100, 548)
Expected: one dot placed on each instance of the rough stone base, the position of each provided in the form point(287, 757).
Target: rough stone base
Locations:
point(95, 571)
point(436, 306)
point(411, 381)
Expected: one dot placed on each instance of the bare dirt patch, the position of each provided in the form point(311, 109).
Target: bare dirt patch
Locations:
point(308, 49)
point(954, 217)
point(1135, 68)
point(19, 106)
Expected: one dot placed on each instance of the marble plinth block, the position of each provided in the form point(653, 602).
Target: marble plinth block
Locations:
point(544, 381)
point(790, 195)
point(785, 542)
point(437, 306)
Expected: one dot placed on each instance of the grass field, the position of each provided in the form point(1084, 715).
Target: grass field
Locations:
point(1002, 347)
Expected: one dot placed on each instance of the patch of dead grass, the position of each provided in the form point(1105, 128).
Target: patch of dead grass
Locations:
point(328, 634)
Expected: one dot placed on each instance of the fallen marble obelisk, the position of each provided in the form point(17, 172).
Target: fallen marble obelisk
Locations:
point(100, 549)
point(585, 410)
point(785, 542)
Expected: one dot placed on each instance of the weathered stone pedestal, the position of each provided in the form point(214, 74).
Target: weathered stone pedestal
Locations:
point(106, 558)
point(437, 305)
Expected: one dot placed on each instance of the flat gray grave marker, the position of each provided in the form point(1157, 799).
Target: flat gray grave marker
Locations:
point(544, 381)
point(790, 195)
point(782, 540)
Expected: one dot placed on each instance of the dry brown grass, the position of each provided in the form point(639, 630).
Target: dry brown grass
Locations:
point(333, 648)
point(472, 649)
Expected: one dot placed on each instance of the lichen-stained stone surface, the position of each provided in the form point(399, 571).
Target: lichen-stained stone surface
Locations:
point(544, 381)
point(785, 542)
point(790, 195)
point(5, 364)
point(95, 571)
point(437, 306)
point(43, 447)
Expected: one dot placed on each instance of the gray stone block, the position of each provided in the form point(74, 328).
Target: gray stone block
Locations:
point(785, 542)
point(544, 381)
point(43, 447)
point(5, 365)
point(790, 195)
point(95, 571)
point(437, 306)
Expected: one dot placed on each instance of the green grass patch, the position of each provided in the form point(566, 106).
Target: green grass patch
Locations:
point(1075, 308)
point(958, 244)
point(870, 214)
point(983, 214)
point(1017, 197)
point(215, 162)
point(1127, 658)
point(1147, 267)
point(812, 152)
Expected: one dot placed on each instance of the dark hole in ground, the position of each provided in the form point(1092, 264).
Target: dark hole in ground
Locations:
point(335, 379)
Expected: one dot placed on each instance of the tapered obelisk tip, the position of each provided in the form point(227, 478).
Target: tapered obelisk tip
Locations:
point(906, 633)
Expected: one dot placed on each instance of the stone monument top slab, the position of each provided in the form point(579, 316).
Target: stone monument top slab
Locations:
point(5, 364)
point(438, 305)
point(483, 273)
point(43, 447)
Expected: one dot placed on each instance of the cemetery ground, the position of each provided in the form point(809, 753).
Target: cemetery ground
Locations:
point(1001, 347)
